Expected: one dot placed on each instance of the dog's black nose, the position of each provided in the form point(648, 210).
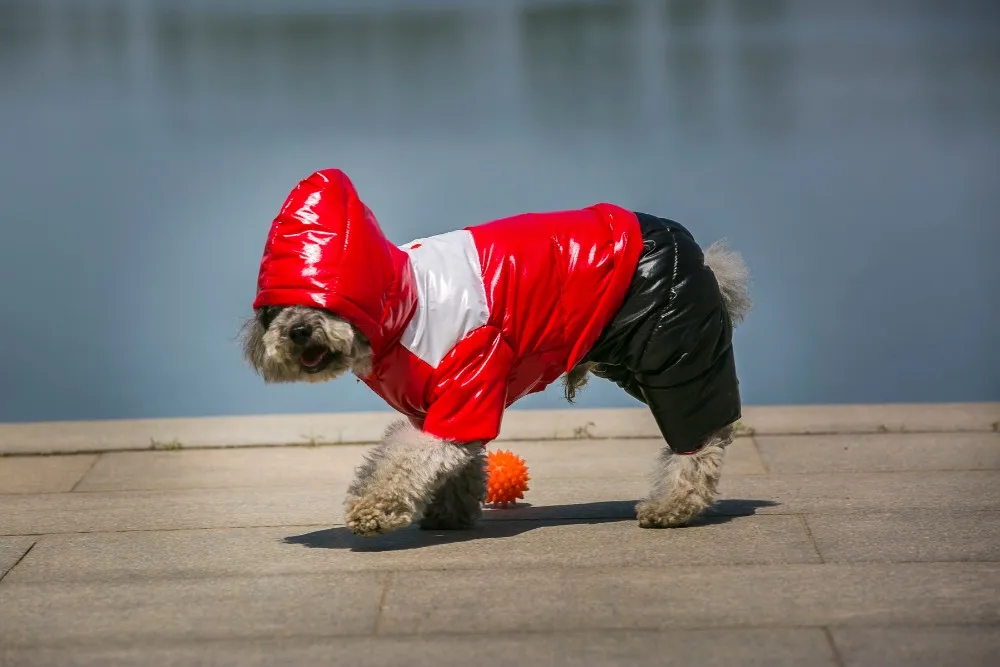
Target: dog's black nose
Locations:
point(300, 333)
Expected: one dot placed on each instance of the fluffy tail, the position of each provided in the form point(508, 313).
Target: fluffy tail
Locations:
point(733, 277)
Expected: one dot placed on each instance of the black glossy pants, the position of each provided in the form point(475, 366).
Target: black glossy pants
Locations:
point(670, 344)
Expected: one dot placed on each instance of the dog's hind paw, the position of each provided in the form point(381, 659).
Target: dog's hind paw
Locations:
point(369, 517)
point(652, 514)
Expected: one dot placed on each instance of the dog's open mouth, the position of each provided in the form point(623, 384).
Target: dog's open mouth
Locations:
point(315, 359)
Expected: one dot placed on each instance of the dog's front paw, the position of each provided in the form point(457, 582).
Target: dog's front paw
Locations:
point(373, 516)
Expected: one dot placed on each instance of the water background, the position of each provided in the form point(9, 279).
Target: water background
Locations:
point(850, 149)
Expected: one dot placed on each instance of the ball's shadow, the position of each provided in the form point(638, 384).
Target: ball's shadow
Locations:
point(501, 523)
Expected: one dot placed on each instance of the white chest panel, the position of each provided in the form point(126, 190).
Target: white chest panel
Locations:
point(451, 298)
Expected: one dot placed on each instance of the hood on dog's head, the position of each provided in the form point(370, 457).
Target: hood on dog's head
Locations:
point(326, 250)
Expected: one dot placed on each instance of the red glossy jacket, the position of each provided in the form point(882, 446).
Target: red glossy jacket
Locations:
point(461, 324)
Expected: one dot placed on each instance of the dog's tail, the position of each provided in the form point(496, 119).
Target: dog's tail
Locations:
point(733, 277)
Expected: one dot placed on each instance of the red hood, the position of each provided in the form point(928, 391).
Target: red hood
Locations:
point(326, 250)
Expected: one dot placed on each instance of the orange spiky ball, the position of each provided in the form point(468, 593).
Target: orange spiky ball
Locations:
point(506, 478)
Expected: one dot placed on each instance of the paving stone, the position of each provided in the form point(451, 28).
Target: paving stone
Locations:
point(742, 458)
point(161, 510)
point(510, 544)
point(847, 492)
point(189, 609)
point(294, 466)
point(271, 506)
point(12, 549)
point(546, 600)
point(565, 579)
point(928, 535)
point(881, 452)
point(763, 648)
point(872, 418)
point(42, 474)
point(556, 499)
point(920, 646)
point(772, 494)
point(221, 468)
point(597, 497)
point(616, 458)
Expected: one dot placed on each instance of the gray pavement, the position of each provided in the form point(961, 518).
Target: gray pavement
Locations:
point(852, 550)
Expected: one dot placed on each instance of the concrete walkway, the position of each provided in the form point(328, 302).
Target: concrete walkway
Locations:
point(860, 550)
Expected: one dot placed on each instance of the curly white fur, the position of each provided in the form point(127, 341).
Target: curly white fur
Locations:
point(403, 475)
point(733, 276)
point(684, 485)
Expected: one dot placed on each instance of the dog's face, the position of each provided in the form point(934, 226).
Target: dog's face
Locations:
point(301, 344)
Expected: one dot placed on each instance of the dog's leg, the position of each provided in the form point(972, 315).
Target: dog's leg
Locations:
point(459, 502)
point(400, 477)
point(576, 379)
point(685, 484)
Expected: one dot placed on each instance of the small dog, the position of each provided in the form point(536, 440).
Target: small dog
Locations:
point(451, 330)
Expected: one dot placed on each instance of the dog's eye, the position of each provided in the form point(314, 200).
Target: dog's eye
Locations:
point(267, 315)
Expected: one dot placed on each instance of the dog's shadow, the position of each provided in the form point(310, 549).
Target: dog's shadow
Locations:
point(501, 523)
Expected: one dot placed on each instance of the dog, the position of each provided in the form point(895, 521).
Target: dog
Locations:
point(450, 330)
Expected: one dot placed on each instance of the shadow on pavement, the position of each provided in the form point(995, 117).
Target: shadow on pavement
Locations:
point(501, 523)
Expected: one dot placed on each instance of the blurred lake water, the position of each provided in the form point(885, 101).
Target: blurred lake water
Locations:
point(850, 149)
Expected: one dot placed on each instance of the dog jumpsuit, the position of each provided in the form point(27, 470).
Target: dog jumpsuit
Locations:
point(463, 324)
point(670, 343)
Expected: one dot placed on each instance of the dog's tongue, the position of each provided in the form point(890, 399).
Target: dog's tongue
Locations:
point(311, 358)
